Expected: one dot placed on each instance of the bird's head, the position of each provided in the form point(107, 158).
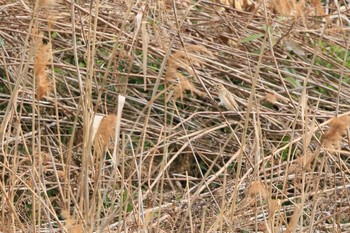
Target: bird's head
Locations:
point(218, 86)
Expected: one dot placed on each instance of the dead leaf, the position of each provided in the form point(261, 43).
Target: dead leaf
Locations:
point(138, 22)
point(145, 41)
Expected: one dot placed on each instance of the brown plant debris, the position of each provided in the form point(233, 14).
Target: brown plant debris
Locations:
point(298, 8)
point(71, 223)
point(318, 7)
point(46, 3)
point(258, 187)
point(273, 204)
point(288, 7)
point(337, 128)
point(271, 98)
point(282, 7)
point(241, 5)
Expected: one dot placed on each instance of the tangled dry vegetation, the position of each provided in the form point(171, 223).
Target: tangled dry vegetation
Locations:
point(110, 123)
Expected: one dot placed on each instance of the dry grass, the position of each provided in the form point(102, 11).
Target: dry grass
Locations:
point(166, 160)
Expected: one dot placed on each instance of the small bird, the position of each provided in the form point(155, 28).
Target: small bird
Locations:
point(227, 99)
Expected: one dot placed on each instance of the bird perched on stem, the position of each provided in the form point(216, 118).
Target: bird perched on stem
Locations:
point(227, 99)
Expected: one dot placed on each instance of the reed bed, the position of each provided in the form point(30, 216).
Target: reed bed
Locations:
point(110, 122)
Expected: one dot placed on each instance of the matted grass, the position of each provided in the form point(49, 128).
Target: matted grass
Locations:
point(110, 122)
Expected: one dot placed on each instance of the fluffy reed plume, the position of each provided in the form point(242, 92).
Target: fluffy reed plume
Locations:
point(298, 8)
point(180, 60)
point(41, 61)
point(105, 131)
point(48, 11)
point(46, 3)
point(70, 223)
point(184, 85)
point(274, 205)
point(258, 187)
point(289, 8)
point(241, 5)
point(337, 128)
point(293, 222)
point(282, 7)
point(299, 166)
point(232, 3)
point(318, 7)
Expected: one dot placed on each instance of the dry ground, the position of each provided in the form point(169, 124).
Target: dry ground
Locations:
point(110, 122)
